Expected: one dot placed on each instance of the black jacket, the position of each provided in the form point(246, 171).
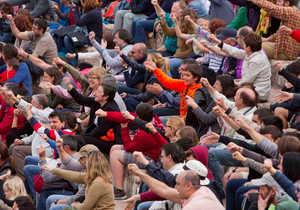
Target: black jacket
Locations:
point(103, 124)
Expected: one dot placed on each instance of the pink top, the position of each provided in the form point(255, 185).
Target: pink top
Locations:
point(202, 199)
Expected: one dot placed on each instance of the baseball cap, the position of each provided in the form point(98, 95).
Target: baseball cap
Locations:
point(83, 152)
point(268, 180)
point(199, 168)
point(227, 32)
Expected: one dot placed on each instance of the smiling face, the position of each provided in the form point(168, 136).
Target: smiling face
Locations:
point(99, 97)
point(48, 78)
point(188, 78)
point(56, 124)
point(94, 81)
point(169, 131)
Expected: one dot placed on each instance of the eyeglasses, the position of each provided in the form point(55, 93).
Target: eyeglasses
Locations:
point(93, 77)
point(132, 52)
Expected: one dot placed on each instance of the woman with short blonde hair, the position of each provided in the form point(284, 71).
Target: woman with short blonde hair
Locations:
point(172, 124)
point(14, 187)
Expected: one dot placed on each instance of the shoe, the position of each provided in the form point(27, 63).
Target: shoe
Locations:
point(119, 194)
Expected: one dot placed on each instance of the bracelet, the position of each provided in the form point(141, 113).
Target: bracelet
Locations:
point(12, 24)
point(102, 50)
point(55, 202)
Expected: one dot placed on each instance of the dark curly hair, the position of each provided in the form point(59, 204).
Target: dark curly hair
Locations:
point(216, 23)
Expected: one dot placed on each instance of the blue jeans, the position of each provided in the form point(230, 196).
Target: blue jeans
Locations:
point(218, 157)
point(46, 193)
point(123, 88)
point(145, 205)
point(166, 111)
point(5, 37)
point(232, 186)
point(52, 198)
point(30, 171)
point(139, 29)
point(131, 104)
point(174, 66)
point(31, 160)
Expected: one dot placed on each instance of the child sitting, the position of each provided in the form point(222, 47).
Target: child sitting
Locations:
point(12, 66)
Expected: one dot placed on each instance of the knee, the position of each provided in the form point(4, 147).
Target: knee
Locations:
point(116, 155)
point(128, 16)
point(279, 111)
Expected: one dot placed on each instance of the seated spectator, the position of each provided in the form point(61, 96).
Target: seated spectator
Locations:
point(10, 188)
point(137, 72)
point(253, 54)
point(23, 23)
point(12, 66)
point(183, 50)
point(132, 100)
point(7, 111)
point(89, 87)
point(60, 9)
point(122, 154)
point(187, 179)
point(42, 44)
point(37, 9)
point(271, 192)
point(22, 202)
point(170, 45)
point(22, 75)
point(280, 45)
point(172, 158)
point(7, 161)
point(142, 25)
point(97, 178)
point(89, 20)
point(61, 186)
point(172, 124)
point(60, 201)
point(100, 132)
point(5, 34)
point(286, 110)
point(186, 131)
point(138, 9)
point(225, 84)
point(122, 39)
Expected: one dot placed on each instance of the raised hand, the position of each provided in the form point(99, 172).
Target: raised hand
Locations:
point(210, 138)
point(162, 17)
point(232, 147)
point(130, 203)
point(55, 7)
point(238, 156)
point(59, 143)
point(151, 127)
point(44, 136)
point(59, 61)
point(140, 157)
point(286, 29)
point(204, 43)
point(67, 81)
point(46, 85)
point(150, 65)
point(9, 17)
point(47, 168)
point(117, 49)
point(134, 169)
point(42, 152)
point(101, 113)
point(188, 18)
point(191, 102)
point(127, 115)
point(18, 142)
point(220, 102)
point(70, 55)
point(22, 53)
point(283, 96)
point(103, 44)
point(189, 41)
point(155, 88)
point(154, 2)
point(205, 82)
point(242, 123)
point(173, 17)
point(92, 36)
point(278, 65)
point(214, 38)
point(218, 111)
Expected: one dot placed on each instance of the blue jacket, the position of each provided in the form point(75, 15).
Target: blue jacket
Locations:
point(22, 75)
point(199, 8)
point(221, 9)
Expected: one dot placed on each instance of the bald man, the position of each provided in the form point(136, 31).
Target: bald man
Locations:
point(188, 192)
point(136, 76)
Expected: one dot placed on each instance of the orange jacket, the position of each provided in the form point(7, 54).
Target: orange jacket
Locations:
point(178, 86)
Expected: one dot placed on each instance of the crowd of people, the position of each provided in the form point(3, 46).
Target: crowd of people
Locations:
point(192, 119)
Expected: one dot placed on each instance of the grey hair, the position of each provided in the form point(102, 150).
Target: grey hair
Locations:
point(42, 99)
point(110, 80)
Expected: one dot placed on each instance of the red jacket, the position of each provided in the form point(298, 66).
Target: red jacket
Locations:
point(7, 119)
point(296, 35)
point(142, 141)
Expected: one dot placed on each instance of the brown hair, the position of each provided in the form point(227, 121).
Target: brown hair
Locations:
point(4, 151)
point(6, 8)
point(159, 61)
point(25, 12)
point(216, 23)
point(15, 63)
point(23, 23)
point(185, 26)
point(89, 5)
point(188, 131)
point(53, 72)
point(288, 144)
point(254, 41)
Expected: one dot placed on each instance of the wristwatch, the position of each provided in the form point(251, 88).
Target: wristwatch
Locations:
point(55, 202)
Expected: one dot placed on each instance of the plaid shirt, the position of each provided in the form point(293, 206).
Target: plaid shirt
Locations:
point(290, 17)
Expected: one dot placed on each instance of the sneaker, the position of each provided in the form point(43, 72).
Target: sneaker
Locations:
point(119, 194)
